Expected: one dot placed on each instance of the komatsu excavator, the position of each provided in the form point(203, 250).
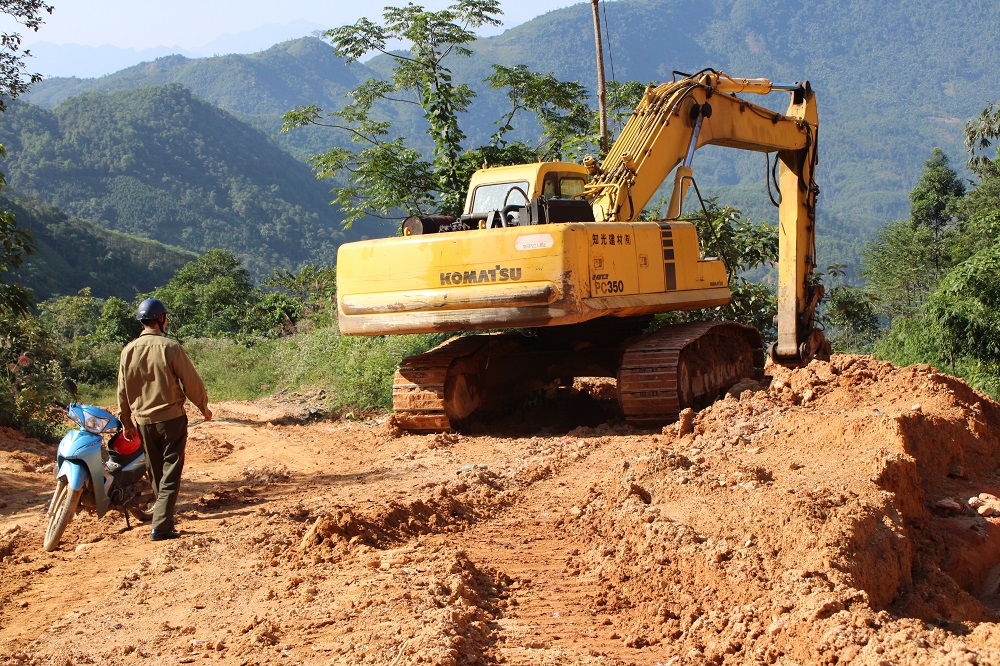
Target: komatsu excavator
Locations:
point(556, 251)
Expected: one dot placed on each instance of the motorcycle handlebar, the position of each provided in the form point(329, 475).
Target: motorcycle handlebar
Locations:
point(60, 405)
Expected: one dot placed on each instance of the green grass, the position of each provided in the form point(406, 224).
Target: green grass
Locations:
point(355, 372)
point(235, 372)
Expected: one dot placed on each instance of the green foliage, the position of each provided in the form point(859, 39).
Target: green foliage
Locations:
point(743, 245)
point(117, 324)
point(558, 104)
point(966, 307)
point(161, 163)
point(911, 340)
point(29, 375)
point(980, 133)
point(420, 77)
point(953, 322)
point(356, 371)
point(313, 287)
point(72, 323)
point(72, 254)
point(621, 99)
point(71, 317)
point(849, 313)
point(15, 245)
point(932, 201)
point(13, 79)
point(899, 264)
point(387, 174)
point(215, 297)
point(232, 371)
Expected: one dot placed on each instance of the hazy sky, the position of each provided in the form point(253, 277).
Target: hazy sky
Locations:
point(140, 24)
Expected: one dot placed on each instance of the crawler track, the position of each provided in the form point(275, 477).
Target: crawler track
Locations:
point(420, 389)
point(681, 366)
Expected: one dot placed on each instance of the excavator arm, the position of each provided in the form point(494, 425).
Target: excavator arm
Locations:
point(675, 119)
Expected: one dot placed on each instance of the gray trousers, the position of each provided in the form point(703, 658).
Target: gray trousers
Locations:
point(164, 445)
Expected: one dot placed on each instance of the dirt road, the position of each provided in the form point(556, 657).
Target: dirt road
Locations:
point(823, 519)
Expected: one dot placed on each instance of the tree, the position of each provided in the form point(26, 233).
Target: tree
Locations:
point(900, 268)
point(966, 307)
point(622, 99)
point(933, 202)
point(71, 317)
point(30, 362)
point(215, 297)
point(850, 312)
point(558, 104)
point(980, 133)
point(313, 287)
point(117, 324)
point(209, 297)
point(420, 77)
point(15, 245)
point(13, 81)
point(386, 174)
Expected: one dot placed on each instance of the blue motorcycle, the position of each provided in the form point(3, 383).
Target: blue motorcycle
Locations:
point(85, 477)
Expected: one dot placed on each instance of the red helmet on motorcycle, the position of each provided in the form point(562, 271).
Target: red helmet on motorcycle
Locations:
point(124, 446)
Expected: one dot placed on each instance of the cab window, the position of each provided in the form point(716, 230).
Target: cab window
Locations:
point(571, 187)
point(498, 195)
point(550, 188)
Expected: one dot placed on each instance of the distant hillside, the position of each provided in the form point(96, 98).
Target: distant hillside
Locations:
point(161, 163)
point(73, 254)
point(257, 88)
point(894, 80)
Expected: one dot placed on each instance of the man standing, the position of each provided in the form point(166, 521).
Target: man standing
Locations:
point(155, 377)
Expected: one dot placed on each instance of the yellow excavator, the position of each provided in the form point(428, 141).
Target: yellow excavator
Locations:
point(555, 251)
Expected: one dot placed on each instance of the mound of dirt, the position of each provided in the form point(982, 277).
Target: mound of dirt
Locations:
point(832, 504)
point(845, 512)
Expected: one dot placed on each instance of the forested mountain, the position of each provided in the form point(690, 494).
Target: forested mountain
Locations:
point(894, 80)
point(160, 163)
point(72, 253)
point(257, 88)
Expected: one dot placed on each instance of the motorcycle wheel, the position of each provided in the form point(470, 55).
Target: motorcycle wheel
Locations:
point(140, 514)
point(64, 503)
point(142, 508)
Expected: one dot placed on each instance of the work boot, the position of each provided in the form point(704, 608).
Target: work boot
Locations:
point(157, 535)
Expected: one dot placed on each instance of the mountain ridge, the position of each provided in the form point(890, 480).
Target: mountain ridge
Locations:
point(158, 162)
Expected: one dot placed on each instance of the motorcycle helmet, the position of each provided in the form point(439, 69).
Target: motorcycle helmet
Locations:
point(151, 309)
point(122, 446)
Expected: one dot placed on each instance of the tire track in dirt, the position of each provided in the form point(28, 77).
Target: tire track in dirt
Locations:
point(552, 609)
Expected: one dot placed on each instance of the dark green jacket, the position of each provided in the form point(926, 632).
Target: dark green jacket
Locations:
point(154, 377)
